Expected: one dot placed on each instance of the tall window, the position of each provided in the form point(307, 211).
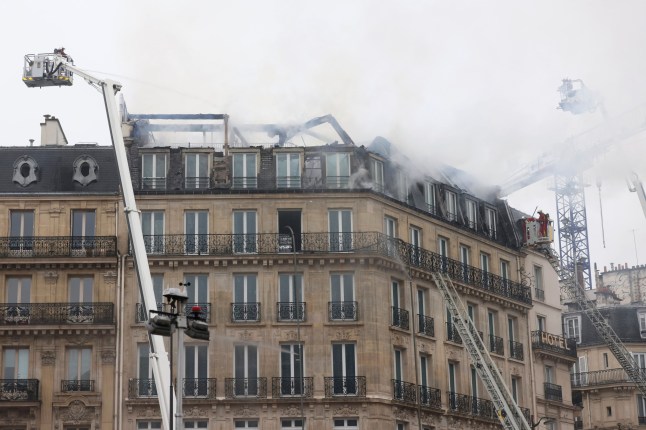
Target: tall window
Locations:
point(541, 322)
point(21, 231)
point(377, 172)
point(572, 328)
point(492, 318)
point(80, 289)
point(337, 170)
point(83, 229)
point(146, 383)
point(291, 382)
point(474, 384)
point(515, 388)
point(246, 370)
point(245, 306)
point(196, 370)
point(504, 271)
point(451, 206)
point(290, 296)
point(403, 186)
point(491, 221)
point(429, 197)
point(579, 372)
point(641, 317)
point(153, 171)
point(415, 234)
point(398, 374)
point(198, 291)
point(425, 323)
point(152, 226)
point(340, 228)
point(472, 213)
point(399, 316)
point(484, 266)
point(344, 369)
point(18, 289)
point(342, 304)
point(443, 250)
point(549, 374)
point(452, 374)
point(244, 230)
point(196, 227)
point(244, 171)
point(196, 170)
point(79, 362)
point(390, 230)
point(16, 363)
point(288, 170)
point(465, 261)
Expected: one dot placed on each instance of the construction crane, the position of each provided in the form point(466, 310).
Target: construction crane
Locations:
point(58, 69)
point(573, 266)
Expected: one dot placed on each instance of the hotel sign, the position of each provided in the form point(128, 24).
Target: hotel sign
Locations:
point(553, 340)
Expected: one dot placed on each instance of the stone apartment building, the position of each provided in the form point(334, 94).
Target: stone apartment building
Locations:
point(311, 264)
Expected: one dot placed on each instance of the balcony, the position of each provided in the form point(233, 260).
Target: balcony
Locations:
point(292, 387)
point(400, 318)
point(516, 350)
point(54, 247)
point(544, 341)
point(290, 311)
point(430, 397)
point(452, 333)
point(345, 386)
point(601, 377)
point(342, 311)
point(12, 314)
point(245, 312)
point(337, 181)
point(141, 388)
point(199, 388)
point(577, 398)
point(153, 183)
point(244, 182)
point(404, 392)
point(288, 182)
point(553, 392)
point(198, 182)
point(469, 405)
point(77, 385)
point(18, 390)
point(496, 344)
point(236, 388)
point(347, 242)
point(204, 315)
point(426, 325)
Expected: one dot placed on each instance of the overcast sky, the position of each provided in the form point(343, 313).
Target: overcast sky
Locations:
point(472, 84)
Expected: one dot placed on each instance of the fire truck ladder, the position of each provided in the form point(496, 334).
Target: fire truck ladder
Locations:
point(589, 308)
point(510, 415)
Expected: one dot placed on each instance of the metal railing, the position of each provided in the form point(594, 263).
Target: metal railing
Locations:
point(601, 377)
point(426, 325)
point(345, 386)
point(204, 315)
point(288, 182)
point(404, 391)
point(290, 311)
point(539, 294)
point(516, 350)
point(235, 388)
point(496, 344)
point(18, 390)
point(153, 183)
point(553, 343)
point(577, 398)
point(342, 311)
point(61, 246)
point(452, 333)
point(56, 313)
point(347, 242)
point(553, 392)
point(292, 387)
point(244, 182)
point(469, 405)
point(337, 181)
point(77, 385)
point(200, 388)
point(400, 318)
point(245, 312)
point(198, 182)
point(578, 424)
point(640, 420)
point(141, 388)
point(430, 397)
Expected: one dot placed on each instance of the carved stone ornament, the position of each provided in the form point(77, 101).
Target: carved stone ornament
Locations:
point(86, 170)
point(292, 411)
point(195, 412)
point(51, 277)
point(343, 334)
point(48, 358)
point(108, 356)
point(346, 411)
point(246, 335)
point(110, 277)
point(77, 412)
point(149, 413)
point(25, 171)
point(402, 414)
point(246, 411)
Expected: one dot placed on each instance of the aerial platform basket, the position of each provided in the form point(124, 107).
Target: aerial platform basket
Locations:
point(43, 70)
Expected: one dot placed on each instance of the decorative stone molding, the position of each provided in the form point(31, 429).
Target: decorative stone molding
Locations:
point(399, 340)
point(292, 411)
point(195, 412)
point(51, 277)
point(148, 413)
point(344, 335)
point(108, 356)
point(246, 335)
point(86, 170)
point(346, 410)
point(246, 411)
point(48, 358)
point(110, 277)
point(402, 414)
point(77, 412)
point(25, 171)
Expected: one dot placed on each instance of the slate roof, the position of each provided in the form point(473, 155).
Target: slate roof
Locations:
point(55, 169)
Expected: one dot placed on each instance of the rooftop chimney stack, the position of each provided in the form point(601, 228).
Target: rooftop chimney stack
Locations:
point(51, 132)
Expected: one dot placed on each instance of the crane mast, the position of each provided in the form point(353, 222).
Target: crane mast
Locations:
point(57, 69)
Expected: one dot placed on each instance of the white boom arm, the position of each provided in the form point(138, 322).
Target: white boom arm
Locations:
point(635, 185)
point(159, 358)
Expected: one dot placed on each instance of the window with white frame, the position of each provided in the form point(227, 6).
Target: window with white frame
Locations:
point(344, 369)
point(415, 234)
point(491, 221)
point(244, 231)
point(244, 170)
point(337, 170)
point(401, 426)
point(149, 425)
point(641, 316)
point(429, 197)
point(80, 290)
point(195, 371)
point(15, 363)
point(246, 424)
point(291, 423)
point(291, 379)
point(196, 170)
point(377, 172)
point(291, 305)
point(288, 170)
point(83, 231)
point(79, 363)
point(198, 290)
point(515, 388)
point(443, 250)
point(245, 305)
point(196, 424)
point(451, 206)
point(398, 374)
point(246, 371)
point(340, 228)
point(196, 228)
point(343, 307)
point(572, 327)
point(152, 227)
point(346, 424)
point(21, 231)
point(153, 171)
point(145, 382)
point(640, 359)
point(472, 213)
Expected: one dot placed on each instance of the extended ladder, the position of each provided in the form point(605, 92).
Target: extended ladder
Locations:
point(510, 415)
point(589, 308)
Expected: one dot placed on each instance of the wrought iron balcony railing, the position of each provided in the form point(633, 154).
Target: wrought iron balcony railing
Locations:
point(516, 350)
point(404, 392)
point(349, 242)
point(496, 344)
point(342, 311)
point(77, 385)
point(290, 311)
point(553, 392)
point(430, 397)
point(345, 386)
point(205, 315)
point(288, 182)
point(601, 377)
point(235, 388)
point(426, 325)
point(244, 182)
point(469, 405)
point(198, 182)
point(292, 387)
point(18, 390)
point(577, 398)
point(245, 312)
point(539, 294)
point(141, 388)
point(337, 181)
point(153, 183)
point(578, 424)
point(400, 318)
point(56, 313)
point(201, 388)
point(542, 340)
point(452, 333)
point(52, 247)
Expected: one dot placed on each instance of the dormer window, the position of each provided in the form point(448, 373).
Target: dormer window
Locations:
point(641, 316)
point(337, 170)
point(451, 206)
point(472, 214)
point(153, 168)
point(196, 170)
point(85, 170)
point(491, 220)
point(245, 171)
point(25, 171)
